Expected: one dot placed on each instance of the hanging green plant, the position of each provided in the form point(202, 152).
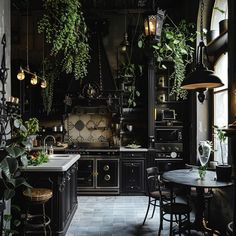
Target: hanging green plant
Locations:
point(50, 74)
point(176, 46)
point(65, 30)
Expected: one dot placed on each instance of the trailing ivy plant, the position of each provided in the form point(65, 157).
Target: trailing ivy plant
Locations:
point(51, 74)
point(176, 46)
point(65, 30)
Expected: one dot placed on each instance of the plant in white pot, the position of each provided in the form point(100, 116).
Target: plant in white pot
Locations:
point(223, 171)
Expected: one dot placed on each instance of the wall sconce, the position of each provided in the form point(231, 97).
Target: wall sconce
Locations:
point(153, 24)
point(201, 78)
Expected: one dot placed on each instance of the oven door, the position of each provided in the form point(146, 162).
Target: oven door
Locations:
point(107, 173)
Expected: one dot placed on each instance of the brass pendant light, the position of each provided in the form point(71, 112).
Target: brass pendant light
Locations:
point(201, 78)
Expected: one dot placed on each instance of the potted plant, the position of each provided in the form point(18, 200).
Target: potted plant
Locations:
point(176, 47)
point(27, 131)
point(223, 24)
point(13, 156)
point(223, 171)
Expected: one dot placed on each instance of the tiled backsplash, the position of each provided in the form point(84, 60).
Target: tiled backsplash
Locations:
point(88, 128)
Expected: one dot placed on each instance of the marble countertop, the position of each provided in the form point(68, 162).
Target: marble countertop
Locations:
point(56, 163)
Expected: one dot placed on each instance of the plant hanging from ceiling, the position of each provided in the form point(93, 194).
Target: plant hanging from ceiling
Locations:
point(176, 46)
point(51, 74)
point(65, 30)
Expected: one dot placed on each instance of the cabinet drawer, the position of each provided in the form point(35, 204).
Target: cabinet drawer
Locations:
point(133, 155)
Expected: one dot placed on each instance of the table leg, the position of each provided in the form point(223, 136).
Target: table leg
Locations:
point(199, 223)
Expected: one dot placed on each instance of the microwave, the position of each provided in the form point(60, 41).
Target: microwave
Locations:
point(169, 134)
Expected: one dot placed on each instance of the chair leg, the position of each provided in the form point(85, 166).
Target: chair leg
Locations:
point(154, 208)
point(149, 203)
point(188, 217)
point(44, 221)
point(171, 224)
point(161, 222)
point(180, 221)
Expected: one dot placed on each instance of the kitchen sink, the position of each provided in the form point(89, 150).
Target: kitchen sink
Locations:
point(59, 156)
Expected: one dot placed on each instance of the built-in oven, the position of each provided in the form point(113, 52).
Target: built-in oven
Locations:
point(169, 134)
point(98, 171)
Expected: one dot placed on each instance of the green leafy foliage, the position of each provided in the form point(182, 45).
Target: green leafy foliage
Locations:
point(38, 158)
point(220, 134)
point(128, 73)
point(28, 127)
point(202, 171)
point(51, 74)
point(65, 30)
point(176, 46)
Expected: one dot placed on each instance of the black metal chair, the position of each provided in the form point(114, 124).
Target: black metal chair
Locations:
point(153, 192)
point(170, 210)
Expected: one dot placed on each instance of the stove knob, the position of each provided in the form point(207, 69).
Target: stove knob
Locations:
point(107, 177)
point(163, 148)
point(173, 154)
point(106, 167)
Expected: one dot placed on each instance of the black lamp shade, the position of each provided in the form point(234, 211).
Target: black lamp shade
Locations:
point(201, 78)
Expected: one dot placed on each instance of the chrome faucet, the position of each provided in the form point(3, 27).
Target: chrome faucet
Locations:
point(44, 142)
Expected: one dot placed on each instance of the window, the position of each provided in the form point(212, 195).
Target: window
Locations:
point(217, 16)
point(221, 103)
point(221, 69)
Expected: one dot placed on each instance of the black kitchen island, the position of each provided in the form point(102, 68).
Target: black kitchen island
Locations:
point(59, 175)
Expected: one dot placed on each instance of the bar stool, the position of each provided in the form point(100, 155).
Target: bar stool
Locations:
point(33, 221)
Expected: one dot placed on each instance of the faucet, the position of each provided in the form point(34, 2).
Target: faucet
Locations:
point(44, 141)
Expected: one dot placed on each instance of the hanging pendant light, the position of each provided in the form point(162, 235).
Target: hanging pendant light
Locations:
point(201, 78)
point(34, 79)
point(125, 42)
point(26, 71)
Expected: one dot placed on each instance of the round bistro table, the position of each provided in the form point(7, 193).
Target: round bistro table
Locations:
point(190, 178)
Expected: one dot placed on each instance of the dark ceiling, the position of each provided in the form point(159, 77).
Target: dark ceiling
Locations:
point(108, 4)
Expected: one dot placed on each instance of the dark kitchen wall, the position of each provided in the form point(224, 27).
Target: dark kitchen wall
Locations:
point(113, 12)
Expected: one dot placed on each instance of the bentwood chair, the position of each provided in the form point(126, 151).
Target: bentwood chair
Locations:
point(153, 193)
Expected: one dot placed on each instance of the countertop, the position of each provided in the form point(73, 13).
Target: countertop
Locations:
point(124, 149)
point(121, 149)
point(56, 163)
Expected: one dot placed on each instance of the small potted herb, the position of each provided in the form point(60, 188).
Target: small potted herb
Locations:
point(223, 171)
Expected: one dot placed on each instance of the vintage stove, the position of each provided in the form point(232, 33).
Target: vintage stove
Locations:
point(98, 168)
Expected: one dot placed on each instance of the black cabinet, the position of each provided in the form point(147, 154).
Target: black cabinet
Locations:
point(168, 122)
point(132, 172)
point(97, 175)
